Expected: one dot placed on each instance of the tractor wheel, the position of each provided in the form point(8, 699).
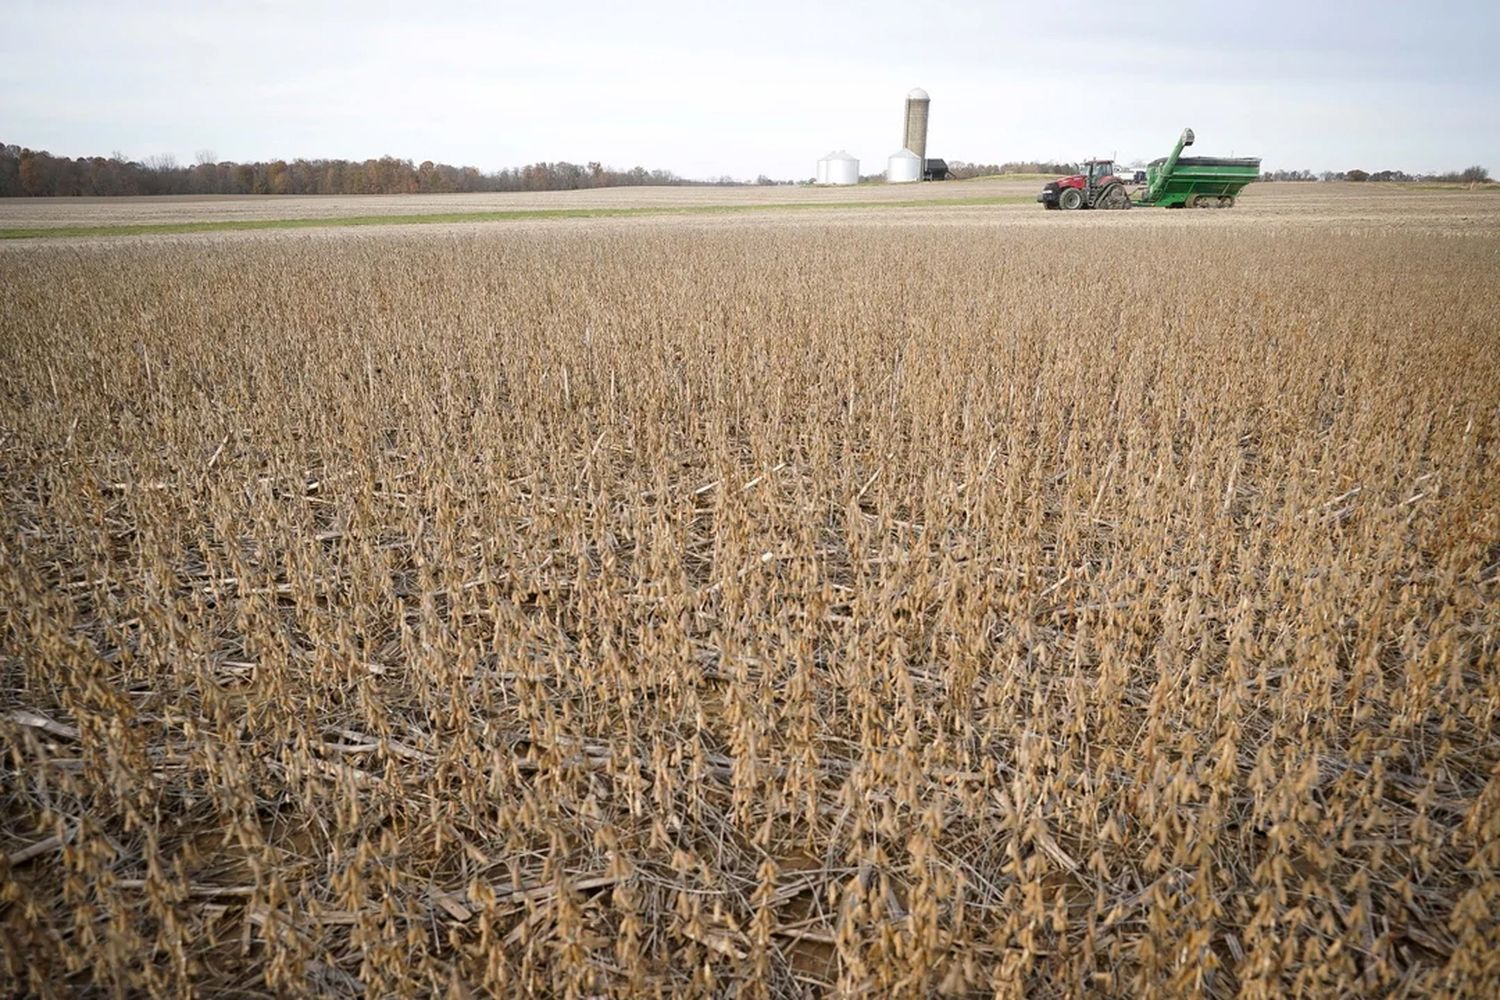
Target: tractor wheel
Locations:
point(1113, 197)
point(1070, 199)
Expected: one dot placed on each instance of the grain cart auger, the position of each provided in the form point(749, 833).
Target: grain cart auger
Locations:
point(1173, 181)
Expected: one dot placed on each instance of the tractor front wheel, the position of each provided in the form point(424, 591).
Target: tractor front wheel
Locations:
point(1070, 199)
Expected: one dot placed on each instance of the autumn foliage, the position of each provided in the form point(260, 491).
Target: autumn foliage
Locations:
point(37, 173)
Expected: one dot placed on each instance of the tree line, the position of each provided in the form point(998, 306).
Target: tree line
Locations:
point(961, 170)
point(1469, 175)
point(27, 172)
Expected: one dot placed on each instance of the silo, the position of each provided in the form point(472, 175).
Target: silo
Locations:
point(903, 167)
point(842, 169)
point(915, 136)
point(826, 167)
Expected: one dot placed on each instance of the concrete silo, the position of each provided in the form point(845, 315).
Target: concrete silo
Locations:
point(903, 167)
point(915, 136)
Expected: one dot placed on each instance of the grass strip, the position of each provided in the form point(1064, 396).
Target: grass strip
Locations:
point(498, 215)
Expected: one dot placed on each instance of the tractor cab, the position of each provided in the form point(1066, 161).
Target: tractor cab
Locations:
point(1097, 172)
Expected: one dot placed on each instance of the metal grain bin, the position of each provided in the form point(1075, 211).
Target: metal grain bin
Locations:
point(841, 169)
point(903, 167)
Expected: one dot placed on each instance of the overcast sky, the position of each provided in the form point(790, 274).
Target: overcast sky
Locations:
point(706, 89)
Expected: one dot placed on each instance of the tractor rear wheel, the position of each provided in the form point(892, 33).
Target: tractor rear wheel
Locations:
point(1113, 197)
point(1070, 199)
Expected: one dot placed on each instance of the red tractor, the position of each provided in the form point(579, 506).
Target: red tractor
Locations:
point(1096, 187)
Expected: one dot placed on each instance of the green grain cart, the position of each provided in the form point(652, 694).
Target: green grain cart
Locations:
point(1197, 181)
point(1173, 181)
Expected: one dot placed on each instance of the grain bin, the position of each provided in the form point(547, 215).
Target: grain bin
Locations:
point(914, 137)
point(841, 168)
point(903, 167)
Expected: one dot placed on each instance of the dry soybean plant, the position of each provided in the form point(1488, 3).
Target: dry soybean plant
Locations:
point(775, 610)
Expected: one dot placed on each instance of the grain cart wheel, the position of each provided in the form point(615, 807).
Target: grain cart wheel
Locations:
point(1071, 199)
point(1227, 201)
point(1113, 197)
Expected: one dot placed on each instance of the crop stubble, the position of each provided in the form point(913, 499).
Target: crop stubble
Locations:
point(790, 608)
